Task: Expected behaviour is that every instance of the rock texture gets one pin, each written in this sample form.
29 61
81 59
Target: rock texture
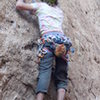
18 36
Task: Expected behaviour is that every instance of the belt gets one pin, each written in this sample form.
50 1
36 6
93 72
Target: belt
51 32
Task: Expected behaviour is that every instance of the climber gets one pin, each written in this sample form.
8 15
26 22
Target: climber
53 45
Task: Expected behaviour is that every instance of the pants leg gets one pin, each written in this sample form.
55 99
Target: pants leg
61 73
45 69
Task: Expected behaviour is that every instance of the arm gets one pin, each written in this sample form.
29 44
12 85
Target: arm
21 5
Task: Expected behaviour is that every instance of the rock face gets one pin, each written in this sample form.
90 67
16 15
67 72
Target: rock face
18 36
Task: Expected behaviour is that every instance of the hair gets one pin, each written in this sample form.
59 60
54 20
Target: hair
51 2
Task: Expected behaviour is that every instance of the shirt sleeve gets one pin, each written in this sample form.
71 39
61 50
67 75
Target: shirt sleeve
35 5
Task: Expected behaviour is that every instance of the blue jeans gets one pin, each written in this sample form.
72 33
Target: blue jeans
45 70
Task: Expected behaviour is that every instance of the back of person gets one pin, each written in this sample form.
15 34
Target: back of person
50 22
50 18
53 45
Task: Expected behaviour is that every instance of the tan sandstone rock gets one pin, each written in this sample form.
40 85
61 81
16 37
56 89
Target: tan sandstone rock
18 36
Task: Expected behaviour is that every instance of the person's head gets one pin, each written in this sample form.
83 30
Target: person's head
51 2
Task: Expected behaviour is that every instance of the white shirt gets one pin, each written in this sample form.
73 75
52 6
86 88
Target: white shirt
50 18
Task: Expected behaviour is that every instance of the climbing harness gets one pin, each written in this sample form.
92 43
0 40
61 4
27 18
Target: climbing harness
60 46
